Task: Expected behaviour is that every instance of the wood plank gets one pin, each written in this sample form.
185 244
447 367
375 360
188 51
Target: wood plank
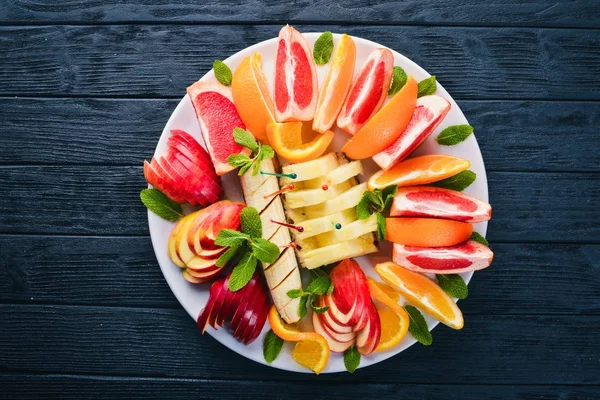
28 386
117 341
102 200
65 270
513 135
149 60
428 12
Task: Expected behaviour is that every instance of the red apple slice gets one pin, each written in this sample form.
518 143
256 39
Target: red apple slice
368 338
200 152
244 303
340 337
249 309
169 182
179 180
334 345
202 181
199 187
205 313
158 181
328 321
260 321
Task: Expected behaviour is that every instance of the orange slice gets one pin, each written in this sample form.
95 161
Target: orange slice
383 129
419 171
423 293
394 320
427 232
287 140
251 96
336 85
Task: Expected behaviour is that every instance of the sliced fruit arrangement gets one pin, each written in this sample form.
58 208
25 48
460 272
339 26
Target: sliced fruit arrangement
295 90
287 139
244 312
336 85
282 275
218 117
192 241
321 210
185 173
351 318
429 112
368 91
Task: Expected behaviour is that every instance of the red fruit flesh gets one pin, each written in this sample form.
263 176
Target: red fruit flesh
429 112
303 88
181 147
199 182
172 181
464 257
424 201
201 155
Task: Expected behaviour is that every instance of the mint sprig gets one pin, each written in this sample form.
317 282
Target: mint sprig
454 134
272 346
458 182
242 272
418 326
427 86
320 285
161 205
260 152
222 73
379 202
399 79
454 285
323 48
351 359
479 238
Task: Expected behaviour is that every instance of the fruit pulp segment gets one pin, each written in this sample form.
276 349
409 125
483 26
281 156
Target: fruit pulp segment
370 97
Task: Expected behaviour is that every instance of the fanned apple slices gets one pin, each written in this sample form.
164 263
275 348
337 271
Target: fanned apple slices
323 203
283 275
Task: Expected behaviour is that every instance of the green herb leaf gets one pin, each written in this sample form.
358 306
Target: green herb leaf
295 293
242 273
222 72
453 285
271 346
417 326
427 87
158 202
319 286
229 237
251 224
363 209
398 81
302 306
264 250
381 228
458 182
454 134
351 359
238 160
479 238
245 138
244 169
388 193
323 48
227 256
315 308
266 152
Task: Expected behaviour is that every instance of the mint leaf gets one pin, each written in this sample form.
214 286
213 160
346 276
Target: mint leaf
229 237
244 169
453 285
458 182
251 224
317 309
388 193
245 138
222 72
242 273
351 359
271 346
295 293
302 306
323 48
266 152
264 250
237 160
479 238
363 208
418 327
227 256
427 87
399 79
381 228
454 134
161 205
319 286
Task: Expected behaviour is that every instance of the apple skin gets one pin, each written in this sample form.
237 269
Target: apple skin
204 316
244 302
183 148
260 321
334 345
221 215
350 293
199 152
368 338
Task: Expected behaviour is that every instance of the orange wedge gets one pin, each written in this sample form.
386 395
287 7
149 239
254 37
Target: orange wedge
394 320
336 85
251 96
423 293
311 351
383 129
287 140
427 232
419 171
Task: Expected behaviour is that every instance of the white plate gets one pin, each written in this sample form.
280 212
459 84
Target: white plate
194 297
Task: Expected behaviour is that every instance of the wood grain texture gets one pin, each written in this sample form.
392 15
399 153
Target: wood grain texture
123 272
430 12
26 386
513 135
154 342
102 200
161 60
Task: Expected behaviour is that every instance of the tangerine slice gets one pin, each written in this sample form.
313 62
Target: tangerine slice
422 292
419 171
287 140
427 232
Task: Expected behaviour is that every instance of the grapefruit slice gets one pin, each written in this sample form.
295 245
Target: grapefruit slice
295 91
429 112
217 117
368 91
336 85
386 126
251 96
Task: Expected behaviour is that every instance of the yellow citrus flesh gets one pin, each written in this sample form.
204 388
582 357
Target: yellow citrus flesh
286 138
393 327
423 293
312 354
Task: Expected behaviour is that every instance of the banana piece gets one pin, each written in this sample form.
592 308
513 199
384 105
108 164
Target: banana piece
339 251
274 211
278 271
288 308
349 199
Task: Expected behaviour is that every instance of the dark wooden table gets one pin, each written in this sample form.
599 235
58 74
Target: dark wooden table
85 90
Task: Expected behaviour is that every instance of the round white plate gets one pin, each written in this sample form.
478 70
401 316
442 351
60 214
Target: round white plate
194 297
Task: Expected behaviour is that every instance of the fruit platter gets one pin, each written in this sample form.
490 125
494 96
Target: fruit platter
317 202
